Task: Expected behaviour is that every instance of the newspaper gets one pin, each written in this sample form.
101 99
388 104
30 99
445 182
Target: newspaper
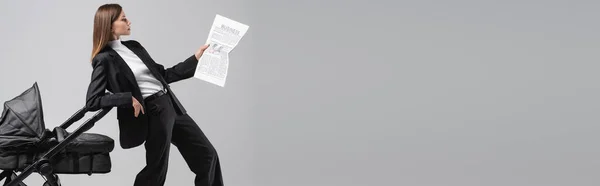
224 36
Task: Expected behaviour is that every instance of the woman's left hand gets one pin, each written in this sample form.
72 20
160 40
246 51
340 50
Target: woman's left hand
201 50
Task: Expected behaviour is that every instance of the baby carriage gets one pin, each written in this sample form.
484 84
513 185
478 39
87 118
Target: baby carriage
26 146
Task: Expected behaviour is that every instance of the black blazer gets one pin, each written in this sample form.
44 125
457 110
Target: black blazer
110 72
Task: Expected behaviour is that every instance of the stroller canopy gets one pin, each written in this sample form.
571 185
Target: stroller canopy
22 121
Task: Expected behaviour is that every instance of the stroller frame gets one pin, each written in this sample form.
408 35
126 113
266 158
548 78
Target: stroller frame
43 165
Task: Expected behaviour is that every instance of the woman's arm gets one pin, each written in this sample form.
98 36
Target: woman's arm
180 71
96 97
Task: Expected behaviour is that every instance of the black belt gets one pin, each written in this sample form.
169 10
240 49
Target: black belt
155 95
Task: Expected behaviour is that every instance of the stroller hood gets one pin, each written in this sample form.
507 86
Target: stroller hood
22 121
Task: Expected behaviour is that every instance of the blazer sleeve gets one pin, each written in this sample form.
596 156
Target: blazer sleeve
96 96
180 71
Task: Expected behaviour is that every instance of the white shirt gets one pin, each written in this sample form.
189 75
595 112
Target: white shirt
146 81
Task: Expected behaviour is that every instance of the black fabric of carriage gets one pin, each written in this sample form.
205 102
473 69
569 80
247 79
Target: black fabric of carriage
87 143
22 129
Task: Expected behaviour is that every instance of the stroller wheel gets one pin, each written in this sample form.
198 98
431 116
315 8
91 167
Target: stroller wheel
52 180
45 169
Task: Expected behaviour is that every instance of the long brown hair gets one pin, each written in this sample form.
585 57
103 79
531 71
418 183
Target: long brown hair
105 16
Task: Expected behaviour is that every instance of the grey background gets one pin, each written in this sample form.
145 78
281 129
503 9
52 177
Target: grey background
323 93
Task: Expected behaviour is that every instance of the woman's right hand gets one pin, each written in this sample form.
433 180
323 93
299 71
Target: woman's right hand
201 50
137 107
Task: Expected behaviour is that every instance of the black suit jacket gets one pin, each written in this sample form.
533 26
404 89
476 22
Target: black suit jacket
110 72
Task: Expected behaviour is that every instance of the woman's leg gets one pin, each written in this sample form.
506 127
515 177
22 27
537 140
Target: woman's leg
198 152
161 117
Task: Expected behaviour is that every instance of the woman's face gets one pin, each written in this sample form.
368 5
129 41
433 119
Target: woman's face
121 26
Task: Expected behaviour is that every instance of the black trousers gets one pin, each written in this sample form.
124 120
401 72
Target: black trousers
165 127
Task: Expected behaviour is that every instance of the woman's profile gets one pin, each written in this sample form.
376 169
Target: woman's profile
148 111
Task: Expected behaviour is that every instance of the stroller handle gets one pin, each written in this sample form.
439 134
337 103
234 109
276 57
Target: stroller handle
74 118
87 125
44 160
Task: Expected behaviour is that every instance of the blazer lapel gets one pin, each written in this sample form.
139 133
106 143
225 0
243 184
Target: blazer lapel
124 68
147 61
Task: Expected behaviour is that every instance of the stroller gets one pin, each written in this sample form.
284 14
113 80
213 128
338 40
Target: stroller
26 145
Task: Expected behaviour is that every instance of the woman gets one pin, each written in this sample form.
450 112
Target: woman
147 109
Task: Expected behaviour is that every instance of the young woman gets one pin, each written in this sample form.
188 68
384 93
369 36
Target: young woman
147 109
